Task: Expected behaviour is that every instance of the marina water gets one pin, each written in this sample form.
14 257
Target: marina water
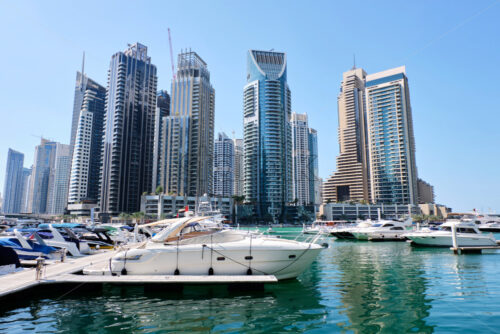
353 287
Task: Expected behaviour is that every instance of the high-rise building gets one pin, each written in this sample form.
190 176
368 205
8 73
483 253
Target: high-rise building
86 146
26 186
162 110
188 133
57 196
425 192
13 186
350 182
127 167
393 169
223 180
238 167
315 182
300 159
267 133
43 165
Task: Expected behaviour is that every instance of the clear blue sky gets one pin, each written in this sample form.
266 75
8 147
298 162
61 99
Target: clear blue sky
451 50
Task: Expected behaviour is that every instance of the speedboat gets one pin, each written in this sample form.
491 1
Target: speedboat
9 261
389 230
185 247
29 249
467 235
54 238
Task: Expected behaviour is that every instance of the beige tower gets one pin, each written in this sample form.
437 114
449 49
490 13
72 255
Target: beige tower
351 180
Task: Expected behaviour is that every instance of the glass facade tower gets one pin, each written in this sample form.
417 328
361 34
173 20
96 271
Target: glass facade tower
87 144
223 166
43 167
391 140
13 186
267 133
188 133
127 168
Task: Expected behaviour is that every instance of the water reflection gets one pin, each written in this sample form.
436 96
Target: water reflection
382 289
291 306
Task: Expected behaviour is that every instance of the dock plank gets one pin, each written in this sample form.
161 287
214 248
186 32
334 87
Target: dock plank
25 279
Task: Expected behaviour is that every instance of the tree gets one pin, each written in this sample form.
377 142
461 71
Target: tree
139 216
124 216
159 190
238 200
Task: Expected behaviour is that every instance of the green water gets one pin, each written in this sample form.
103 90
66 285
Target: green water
359 287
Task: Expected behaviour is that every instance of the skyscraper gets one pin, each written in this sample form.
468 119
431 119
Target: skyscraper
13 186
57 196
238 167
315 183
267 133
390 132
43 165
162 110
26 186
127 168
351 179
223 166
189 132
300 159
86 149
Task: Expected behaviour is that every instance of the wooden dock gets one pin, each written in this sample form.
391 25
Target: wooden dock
64 273
473 249
25 279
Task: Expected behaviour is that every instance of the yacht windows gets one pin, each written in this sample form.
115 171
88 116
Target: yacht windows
397 228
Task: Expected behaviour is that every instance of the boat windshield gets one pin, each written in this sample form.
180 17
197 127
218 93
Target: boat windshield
377 225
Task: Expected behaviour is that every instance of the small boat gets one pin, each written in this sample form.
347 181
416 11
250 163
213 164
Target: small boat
29 249
185 247
467 235
70 241
9 260
383 230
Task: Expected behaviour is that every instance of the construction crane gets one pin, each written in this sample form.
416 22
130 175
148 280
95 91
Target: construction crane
171 53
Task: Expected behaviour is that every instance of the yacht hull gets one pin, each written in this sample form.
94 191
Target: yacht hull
446 241
224 259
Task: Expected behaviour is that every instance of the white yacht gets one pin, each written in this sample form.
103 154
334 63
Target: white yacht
185 247
383 230
320 226
347 232
467 235
487 223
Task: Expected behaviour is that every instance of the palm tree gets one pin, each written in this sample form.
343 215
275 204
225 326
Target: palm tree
139 215
238 200
159 190
124 216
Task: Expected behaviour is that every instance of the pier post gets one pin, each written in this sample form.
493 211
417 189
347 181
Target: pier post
39 266
454 236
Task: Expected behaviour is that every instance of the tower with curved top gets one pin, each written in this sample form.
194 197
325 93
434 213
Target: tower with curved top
267 133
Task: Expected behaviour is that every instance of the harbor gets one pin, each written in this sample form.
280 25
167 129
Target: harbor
352 286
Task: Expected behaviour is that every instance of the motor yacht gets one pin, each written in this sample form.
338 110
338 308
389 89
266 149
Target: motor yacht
347 232
185 247
323 227
467 233
389 230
